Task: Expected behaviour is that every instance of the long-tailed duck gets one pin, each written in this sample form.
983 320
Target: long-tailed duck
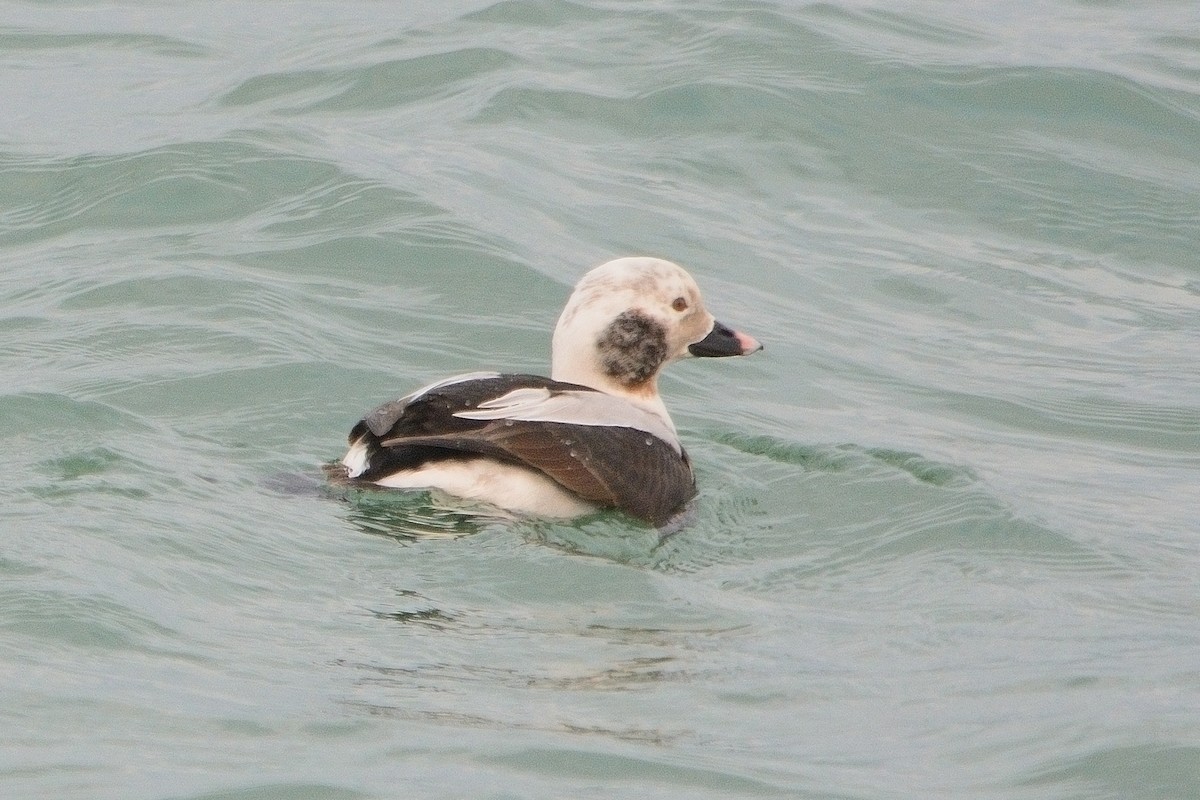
595 435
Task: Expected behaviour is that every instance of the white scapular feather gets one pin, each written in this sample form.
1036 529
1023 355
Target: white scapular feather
572 408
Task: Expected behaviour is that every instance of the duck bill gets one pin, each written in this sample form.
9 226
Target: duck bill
724 341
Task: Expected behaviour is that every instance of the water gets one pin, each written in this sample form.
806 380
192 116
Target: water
947 542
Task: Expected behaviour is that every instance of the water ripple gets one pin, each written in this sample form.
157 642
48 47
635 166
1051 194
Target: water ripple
945 519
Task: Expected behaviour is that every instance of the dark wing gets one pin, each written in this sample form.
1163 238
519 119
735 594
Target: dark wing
621 467
431 411
626 468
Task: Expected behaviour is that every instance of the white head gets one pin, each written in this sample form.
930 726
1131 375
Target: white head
629 318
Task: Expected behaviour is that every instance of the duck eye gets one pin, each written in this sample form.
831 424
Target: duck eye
680 304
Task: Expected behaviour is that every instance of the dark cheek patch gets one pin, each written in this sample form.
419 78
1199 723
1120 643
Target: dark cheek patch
632 348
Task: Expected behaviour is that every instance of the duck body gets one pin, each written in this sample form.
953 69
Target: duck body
595 435
527 444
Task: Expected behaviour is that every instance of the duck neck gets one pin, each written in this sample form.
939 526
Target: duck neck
643 395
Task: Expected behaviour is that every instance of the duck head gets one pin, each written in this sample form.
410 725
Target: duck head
629 318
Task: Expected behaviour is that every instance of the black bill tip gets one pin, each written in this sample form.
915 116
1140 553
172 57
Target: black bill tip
724 341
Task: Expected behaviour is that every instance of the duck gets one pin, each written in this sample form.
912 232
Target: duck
594 435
